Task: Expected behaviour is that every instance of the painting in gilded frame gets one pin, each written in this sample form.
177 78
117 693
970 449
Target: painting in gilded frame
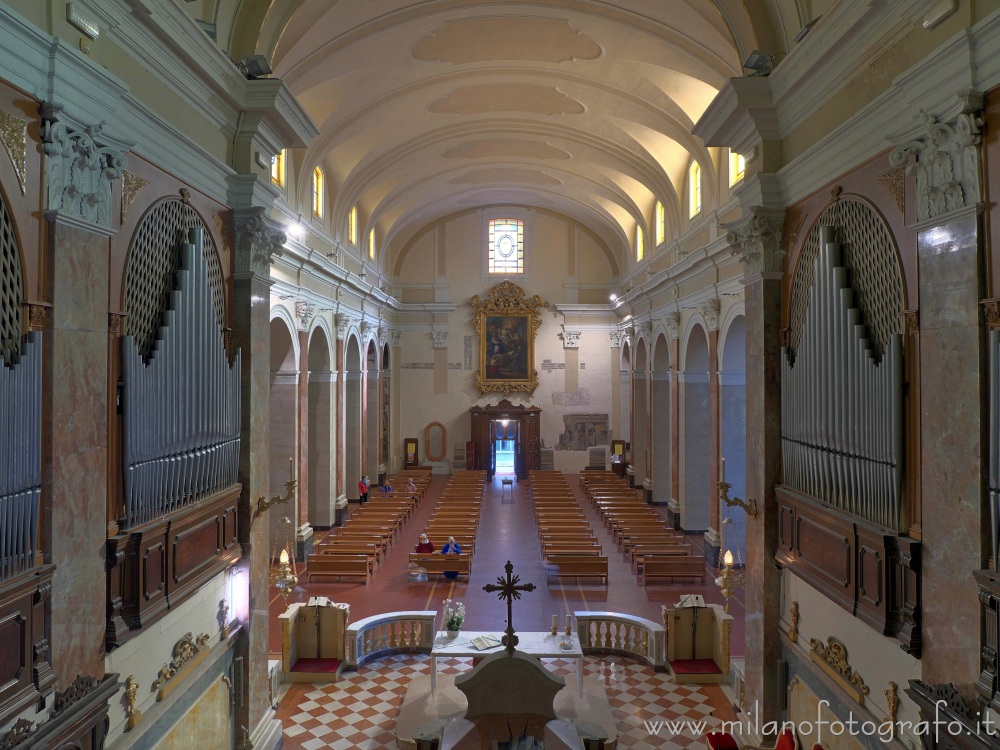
507 323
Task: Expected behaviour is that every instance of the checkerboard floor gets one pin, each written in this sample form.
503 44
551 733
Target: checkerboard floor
359 711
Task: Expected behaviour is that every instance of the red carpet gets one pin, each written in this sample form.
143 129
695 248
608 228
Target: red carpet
694 666
317 665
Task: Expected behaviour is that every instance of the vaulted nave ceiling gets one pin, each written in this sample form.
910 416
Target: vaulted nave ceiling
583 107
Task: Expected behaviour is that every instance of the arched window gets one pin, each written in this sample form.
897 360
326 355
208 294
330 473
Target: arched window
640 244
694 189
278 168
318 193
371 244
352 226
661 224
737 168
506 246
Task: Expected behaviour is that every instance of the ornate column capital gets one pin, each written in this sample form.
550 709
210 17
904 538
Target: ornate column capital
440 339
396 336
304 313
570 338
709 310
258 241
757 239
947 164
616 338
367 329
672 322
79 169
343 325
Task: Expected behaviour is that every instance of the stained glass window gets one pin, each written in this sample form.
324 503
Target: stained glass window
318 193
371 244
661 224
640 245
278 168
352 226
506 246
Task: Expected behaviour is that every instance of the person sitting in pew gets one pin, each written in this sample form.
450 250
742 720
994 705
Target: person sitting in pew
411 488
386 487
425 545
451 547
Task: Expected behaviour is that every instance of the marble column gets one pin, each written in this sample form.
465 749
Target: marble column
340 422
946 160
712 536
303 529
619 415
257 240
74 445
640 422
757 238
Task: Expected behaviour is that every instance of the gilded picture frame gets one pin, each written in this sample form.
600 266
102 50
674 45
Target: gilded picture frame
507 323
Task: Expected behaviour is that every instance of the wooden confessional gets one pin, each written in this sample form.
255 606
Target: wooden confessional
522 425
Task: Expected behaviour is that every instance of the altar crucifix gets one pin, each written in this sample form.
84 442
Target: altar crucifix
509 589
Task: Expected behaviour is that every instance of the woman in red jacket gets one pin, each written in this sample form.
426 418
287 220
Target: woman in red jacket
363 488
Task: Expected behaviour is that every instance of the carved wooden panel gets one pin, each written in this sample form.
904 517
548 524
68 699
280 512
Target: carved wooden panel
871 572
25 673
79 718
155 567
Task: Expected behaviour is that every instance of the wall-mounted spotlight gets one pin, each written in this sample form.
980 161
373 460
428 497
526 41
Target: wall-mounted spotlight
295 229
254 66
805 30
613 297
761 63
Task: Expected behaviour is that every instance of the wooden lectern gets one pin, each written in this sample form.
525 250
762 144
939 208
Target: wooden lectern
697 640
312 640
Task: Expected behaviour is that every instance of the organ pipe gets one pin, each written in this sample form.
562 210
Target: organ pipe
181 409
20 457
841 407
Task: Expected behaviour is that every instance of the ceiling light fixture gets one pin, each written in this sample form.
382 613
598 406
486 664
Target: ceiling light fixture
254 67
613 297
761 63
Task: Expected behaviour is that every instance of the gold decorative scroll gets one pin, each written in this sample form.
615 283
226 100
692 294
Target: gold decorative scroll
132 185
14 137
893 181
187 652
507 324
832 658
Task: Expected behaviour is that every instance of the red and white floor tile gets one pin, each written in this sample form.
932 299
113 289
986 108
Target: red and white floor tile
359 711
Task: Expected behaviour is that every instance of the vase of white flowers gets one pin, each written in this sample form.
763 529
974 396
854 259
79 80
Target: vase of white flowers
454 616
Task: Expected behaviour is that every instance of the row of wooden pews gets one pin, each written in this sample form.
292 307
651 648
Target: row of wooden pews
456 515
356 549
569 547
654 550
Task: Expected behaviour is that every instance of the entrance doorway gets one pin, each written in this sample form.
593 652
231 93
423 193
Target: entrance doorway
506 434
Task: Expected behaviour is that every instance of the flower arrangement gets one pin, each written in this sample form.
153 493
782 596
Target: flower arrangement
454 614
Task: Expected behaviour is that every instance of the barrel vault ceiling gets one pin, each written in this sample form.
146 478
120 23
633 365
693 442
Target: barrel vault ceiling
582 107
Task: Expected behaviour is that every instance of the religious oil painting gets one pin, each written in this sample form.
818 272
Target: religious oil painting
507 323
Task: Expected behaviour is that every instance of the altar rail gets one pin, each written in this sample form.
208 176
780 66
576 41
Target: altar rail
616 633
389 633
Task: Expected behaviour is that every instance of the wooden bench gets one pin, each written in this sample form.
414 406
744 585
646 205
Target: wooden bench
342 566
436 564
577 566
672 566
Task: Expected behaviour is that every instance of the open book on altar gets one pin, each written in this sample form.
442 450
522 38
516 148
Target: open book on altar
485 642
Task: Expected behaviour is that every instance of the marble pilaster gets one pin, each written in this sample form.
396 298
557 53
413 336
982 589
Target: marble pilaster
661 459
675 423
301 449
952 450
340 419
75 458
320 464
714 436
640 425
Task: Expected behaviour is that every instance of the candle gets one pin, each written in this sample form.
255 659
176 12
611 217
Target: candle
722 477
555 623
291 468
569 625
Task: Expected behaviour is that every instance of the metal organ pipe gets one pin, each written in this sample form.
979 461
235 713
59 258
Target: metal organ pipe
842 418
180 410
20 457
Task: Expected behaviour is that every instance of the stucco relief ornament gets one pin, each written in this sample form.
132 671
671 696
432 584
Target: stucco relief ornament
14 137
396 337
616 338
367 329
256 243
758 243
343 326
440 339
710 312
644 330
79 169
304 312
672 322
570 339
947 165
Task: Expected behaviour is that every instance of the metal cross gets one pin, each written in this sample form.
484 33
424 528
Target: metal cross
509 589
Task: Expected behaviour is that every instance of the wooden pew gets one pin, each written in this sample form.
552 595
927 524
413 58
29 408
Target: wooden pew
342 566
577 566
436 564
672 566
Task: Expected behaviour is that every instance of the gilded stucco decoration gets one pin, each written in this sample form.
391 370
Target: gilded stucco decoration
507 323
832 656
132 185
14 137
187 652
893 181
